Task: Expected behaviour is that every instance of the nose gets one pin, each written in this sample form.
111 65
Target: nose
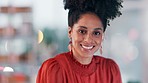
88 38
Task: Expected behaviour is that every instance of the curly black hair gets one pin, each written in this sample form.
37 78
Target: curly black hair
106 10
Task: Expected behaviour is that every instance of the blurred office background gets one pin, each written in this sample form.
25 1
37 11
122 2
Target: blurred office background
31 31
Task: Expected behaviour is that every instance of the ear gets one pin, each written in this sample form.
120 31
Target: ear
103 37
69 31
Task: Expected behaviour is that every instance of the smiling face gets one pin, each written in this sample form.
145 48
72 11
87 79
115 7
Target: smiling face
86 35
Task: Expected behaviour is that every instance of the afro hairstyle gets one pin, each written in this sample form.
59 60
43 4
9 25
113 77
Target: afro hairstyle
106 10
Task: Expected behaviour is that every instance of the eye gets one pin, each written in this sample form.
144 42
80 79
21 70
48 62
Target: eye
82 31
96 33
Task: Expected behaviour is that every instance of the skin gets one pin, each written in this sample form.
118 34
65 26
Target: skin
86 36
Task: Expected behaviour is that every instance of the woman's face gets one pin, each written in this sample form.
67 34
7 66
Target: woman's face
86 35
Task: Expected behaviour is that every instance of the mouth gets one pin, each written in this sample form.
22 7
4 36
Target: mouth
87 47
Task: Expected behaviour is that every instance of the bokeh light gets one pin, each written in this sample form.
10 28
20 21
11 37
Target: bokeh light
40 36
8 69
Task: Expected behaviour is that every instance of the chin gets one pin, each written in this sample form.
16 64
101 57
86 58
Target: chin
85 53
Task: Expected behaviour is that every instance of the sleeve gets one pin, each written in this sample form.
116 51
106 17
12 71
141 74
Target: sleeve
113 69
50 72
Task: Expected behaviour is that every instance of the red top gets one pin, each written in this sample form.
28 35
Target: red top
65 69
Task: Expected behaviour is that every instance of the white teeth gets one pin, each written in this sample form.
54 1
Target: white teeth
87 47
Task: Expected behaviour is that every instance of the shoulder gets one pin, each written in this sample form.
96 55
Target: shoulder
56 61
53 62
49 69
106 62
101 59
110 69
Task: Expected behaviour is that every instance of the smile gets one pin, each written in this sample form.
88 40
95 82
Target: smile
87 47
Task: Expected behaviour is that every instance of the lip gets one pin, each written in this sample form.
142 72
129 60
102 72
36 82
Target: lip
87 47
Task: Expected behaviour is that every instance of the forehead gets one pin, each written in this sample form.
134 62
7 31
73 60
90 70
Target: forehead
90 21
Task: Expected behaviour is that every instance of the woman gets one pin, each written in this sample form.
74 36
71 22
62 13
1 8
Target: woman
87 20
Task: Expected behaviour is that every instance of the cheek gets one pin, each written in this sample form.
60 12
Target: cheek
77 40
76 37
99 41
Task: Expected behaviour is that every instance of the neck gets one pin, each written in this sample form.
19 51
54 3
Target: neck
81 59
84 61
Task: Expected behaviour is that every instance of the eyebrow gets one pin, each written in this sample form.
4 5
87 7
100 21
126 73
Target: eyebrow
94 29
